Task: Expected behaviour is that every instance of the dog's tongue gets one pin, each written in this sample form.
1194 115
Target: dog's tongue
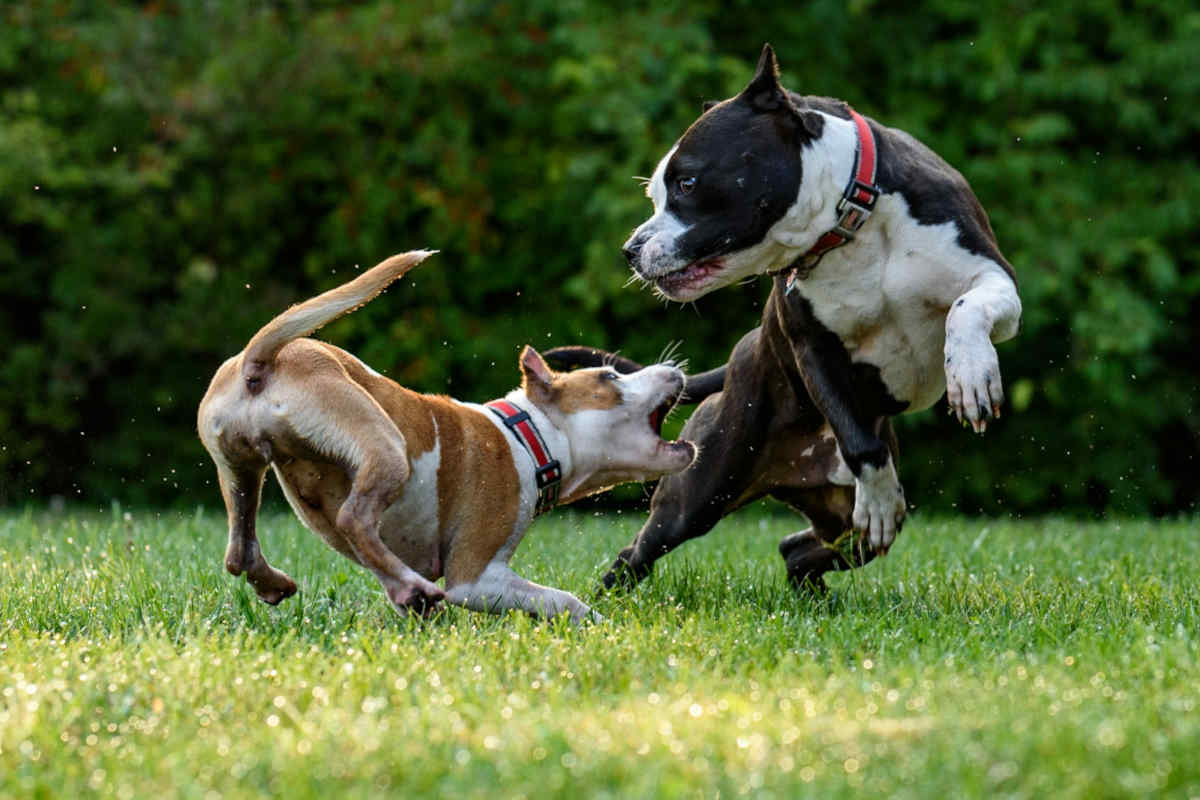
656 418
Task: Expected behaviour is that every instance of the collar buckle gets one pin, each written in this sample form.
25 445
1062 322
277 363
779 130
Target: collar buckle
855 208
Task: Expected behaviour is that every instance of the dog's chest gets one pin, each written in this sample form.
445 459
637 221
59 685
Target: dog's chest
885 297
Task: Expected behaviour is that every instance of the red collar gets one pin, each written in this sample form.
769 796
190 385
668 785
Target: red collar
856 205
548 471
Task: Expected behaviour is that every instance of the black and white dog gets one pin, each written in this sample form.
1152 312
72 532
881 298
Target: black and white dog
889 289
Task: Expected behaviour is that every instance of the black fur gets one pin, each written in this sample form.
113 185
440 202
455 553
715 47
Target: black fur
764 433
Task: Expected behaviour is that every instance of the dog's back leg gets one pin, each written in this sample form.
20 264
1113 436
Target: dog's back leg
830 544
241 487
378 481
340 418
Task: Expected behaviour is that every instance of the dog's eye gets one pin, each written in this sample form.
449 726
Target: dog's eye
685 185
610 376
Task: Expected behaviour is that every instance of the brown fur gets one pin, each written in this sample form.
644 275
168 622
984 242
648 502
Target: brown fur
478 493
582 391
345 441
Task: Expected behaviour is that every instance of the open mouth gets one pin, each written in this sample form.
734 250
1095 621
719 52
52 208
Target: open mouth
656 419
690 277
659 414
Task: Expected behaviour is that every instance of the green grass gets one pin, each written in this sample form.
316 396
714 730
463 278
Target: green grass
1039 659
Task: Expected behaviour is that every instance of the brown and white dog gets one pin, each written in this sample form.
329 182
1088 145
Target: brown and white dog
416 487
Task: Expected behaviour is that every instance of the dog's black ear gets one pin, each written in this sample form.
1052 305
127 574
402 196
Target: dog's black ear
536 377
766 94
708 104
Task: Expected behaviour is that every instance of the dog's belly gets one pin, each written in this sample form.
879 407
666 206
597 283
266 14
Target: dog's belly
410 526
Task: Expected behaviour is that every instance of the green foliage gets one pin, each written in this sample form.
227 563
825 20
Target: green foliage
172 176
981 658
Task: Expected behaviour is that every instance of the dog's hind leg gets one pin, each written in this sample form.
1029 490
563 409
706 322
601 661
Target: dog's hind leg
347 424
829 544
241 487
377 483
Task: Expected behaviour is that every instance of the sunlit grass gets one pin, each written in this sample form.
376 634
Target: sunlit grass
1043 658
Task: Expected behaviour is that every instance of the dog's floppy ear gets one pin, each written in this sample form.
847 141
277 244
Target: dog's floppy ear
766 94
536 377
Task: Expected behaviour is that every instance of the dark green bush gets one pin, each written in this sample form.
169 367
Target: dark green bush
171 176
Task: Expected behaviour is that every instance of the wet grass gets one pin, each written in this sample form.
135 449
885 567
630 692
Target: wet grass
1043 658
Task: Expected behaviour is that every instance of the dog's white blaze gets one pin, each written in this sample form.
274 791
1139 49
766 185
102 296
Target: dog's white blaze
660 233
656 189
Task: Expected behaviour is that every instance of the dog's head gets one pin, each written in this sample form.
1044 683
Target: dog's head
613 421
717 194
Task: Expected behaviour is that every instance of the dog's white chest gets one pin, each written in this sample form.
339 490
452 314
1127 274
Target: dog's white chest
886 297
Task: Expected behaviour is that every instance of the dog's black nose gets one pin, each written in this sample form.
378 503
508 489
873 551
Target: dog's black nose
630 250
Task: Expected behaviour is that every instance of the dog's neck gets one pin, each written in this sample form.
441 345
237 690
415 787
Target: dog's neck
826 165
581 475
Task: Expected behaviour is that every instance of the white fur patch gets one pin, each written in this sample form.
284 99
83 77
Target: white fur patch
499 589
878 504
840 475
409 526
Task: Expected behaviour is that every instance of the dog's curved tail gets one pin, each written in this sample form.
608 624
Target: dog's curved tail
304 318
695 389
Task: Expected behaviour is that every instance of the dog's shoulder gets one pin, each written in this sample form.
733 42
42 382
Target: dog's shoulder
934 191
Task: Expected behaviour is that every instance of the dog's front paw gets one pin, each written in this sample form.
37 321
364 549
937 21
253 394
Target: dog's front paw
416 597
623 575
879 507
973 385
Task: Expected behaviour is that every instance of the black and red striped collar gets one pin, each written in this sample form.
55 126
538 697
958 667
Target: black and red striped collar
853 209
548 472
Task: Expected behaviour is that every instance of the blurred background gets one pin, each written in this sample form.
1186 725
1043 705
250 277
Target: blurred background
172 175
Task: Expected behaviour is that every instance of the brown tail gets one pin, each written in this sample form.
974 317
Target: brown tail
304 318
